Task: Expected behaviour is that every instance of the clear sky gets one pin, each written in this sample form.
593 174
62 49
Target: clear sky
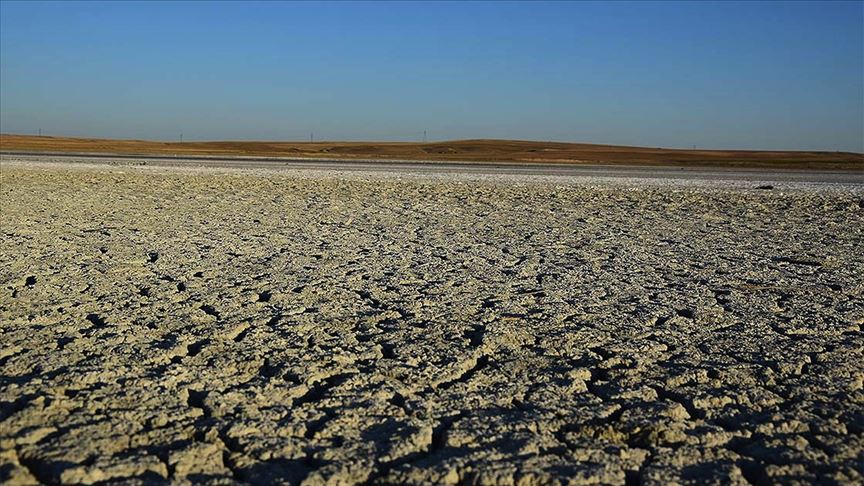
721 75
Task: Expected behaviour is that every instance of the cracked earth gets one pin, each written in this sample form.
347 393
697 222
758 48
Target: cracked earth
286 327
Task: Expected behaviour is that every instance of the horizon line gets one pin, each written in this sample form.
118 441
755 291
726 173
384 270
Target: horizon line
182 140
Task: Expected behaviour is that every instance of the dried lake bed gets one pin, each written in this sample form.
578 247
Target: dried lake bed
219 325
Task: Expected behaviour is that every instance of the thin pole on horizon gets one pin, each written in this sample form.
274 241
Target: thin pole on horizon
424 136
311 137
40 132
181 137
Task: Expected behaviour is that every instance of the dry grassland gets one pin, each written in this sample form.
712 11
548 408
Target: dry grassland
462 150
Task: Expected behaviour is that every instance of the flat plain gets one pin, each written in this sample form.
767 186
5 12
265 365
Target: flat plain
218 325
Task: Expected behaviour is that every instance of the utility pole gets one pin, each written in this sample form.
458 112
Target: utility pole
311 137
40 132
424 136
181 137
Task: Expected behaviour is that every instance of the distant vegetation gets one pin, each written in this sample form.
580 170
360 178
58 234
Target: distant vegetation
460 150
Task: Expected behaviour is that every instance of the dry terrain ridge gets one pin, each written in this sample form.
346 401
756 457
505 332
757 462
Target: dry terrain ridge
264 326
462 150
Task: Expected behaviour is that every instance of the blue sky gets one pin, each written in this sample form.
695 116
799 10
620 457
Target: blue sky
722 75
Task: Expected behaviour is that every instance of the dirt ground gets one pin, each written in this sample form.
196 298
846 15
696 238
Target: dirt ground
513 151
318 327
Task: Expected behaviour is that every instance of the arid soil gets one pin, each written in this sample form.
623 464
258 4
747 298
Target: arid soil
518 151
286 327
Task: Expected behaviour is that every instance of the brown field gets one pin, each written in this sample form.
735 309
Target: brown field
460 150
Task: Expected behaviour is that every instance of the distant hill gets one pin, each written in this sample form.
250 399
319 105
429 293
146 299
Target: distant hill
458 150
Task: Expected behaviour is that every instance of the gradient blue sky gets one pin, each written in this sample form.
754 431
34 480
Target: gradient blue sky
721 75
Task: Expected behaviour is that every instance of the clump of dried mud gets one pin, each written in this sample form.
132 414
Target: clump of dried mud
284 327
